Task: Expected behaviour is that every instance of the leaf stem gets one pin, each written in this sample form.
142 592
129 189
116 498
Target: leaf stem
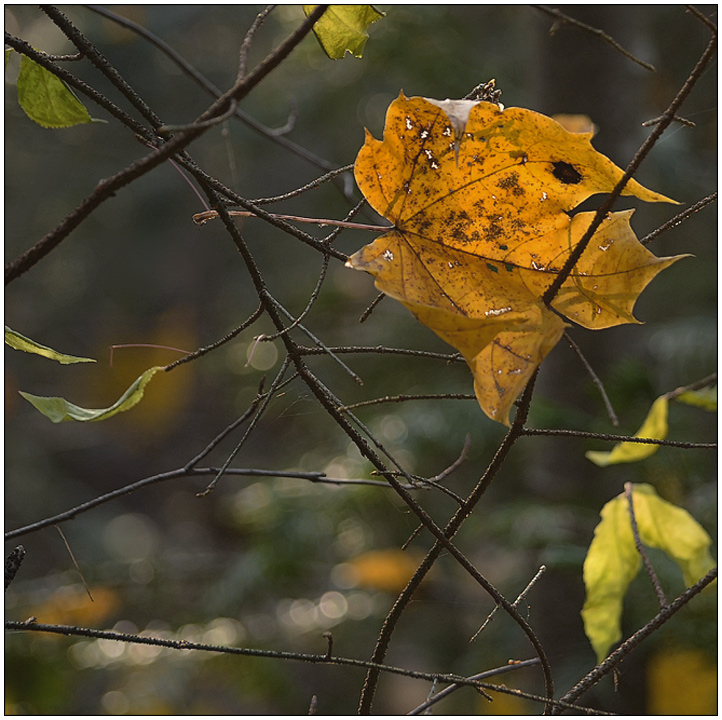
204 217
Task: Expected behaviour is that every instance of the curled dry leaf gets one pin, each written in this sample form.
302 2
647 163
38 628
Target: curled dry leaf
479 199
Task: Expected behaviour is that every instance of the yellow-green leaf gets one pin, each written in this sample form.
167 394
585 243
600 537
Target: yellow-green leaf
19 342
58 409
654 427
611 564
672 529
46 99
343 28
613 559
706 398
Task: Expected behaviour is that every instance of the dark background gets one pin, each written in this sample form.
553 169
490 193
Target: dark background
263 562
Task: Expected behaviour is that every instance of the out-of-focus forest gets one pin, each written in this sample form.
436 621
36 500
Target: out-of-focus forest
275 562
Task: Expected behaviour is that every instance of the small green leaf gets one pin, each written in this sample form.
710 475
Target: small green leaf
654 426
19 342
58 409
613 560
611 564
706 398
46 99
342 28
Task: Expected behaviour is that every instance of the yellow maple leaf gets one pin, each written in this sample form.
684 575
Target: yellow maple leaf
479 200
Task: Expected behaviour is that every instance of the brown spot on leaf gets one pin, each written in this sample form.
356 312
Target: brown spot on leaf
566 173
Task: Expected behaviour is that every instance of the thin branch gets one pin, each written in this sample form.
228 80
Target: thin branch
480 676
258 413
381 350
248 39
217 120
405 398
229 429
708 381
595 379
226 338
367 312
613 661
619 438
308 186
561 17
679 219
314 477
676 118
307 309
629 495
519 598
74 631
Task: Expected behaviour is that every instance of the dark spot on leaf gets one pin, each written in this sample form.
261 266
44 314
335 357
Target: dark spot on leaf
508 267
503 247
494 230
493 268
566 173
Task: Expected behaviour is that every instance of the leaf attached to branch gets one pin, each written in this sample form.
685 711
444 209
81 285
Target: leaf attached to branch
479 199
343 28
613 560
46 99
654 427
59 409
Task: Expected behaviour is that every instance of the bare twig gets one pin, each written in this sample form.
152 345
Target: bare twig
708 381
367 312
382 350
480 676
314 477
519 598
676 118
619 438
405 398
226 338
248 39
595 379
561 17
308 186
629 495
679 219
254 421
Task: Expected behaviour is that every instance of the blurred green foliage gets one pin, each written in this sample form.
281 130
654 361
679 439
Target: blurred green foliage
260 562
